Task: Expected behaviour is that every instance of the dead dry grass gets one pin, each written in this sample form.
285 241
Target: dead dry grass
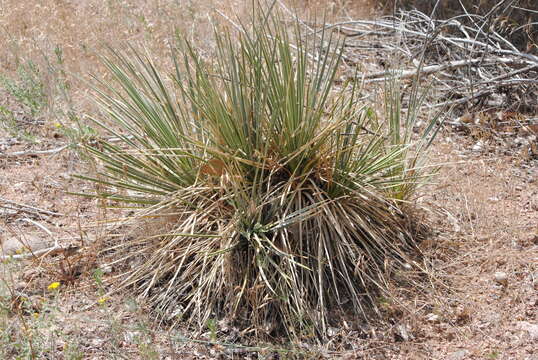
77 31
483 211
64 38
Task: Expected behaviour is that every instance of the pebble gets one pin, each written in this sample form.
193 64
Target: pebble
458 355
403 333
106 269
21 286
532 329
501 278
478 146
331 331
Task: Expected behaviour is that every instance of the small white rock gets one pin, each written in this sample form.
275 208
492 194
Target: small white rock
501 278
106 269
478 146
532 329
131 336
433 318
331 331
458 355
519 141
404 332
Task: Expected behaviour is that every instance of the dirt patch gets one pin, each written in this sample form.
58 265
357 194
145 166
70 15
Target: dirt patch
488 253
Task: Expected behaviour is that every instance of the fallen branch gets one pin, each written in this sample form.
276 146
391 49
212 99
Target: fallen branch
33 152
26 208
37 252
463 100
430 69
465 56
490 90
398 26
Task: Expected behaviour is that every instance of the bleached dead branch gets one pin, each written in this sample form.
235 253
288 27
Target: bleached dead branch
33 152
465 59
16 206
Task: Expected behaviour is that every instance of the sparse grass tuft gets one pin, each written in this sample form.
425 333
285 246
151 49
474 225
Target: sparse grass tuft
279 197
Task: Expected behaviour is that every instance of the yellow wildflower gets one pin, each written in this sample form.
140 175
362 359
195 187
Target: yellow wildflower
102 300
57 125
53 285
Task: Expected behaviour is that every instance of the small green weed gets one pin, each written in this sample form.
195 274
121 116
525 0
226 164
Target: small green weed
212 326
27 87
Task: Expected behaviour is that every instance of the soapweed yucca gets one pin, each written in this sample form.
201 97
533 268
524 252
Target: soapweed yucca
276 196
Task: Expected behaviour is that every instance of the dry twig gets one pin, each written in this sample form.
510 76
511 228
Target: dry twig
33 152
13 205
34 254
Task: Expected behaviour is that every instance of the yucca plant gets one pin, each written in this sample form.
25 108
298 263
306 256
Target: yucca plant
272 196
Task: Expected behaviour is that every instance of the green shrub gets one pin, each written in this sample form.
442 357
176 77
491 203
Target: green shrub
277 196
